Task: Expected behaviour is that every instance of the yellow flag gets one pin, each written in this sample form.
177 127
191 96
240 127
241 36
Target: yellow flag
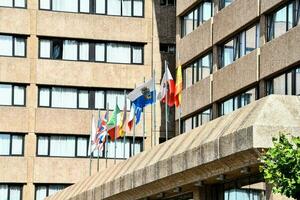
178 89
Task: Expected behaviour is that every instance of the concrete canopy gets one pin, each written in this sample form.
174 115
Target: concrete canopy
224 144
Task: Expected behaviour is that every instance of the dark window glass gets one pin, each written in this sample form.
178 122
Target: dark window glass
282 20
240 45
167 48
225 3
196 121
285 84
237 102
90 51
197 16
197 71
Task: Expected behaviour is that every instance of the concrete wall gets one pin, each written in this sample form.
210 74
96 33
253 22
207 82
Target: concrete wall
246 72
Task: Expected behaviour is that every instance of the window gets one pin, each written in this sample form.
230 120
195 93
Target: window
11 144
64 97
237 102
225 3
282 20
132 8
11 191
89 51
12 95
167 2
285 84
196 121
197 71
12 45
200 14
167 48
42 191
13 3
62 146
240 45
77 146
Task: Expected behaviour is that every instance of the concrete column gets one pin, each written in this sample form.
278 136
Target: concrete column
215 62
215 111
216 6
263 30
262 89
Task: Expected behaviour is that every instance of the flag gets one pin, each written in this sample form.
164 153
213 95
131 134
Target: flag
142 96
178 88
167 87
122 122
131 117
93 137
102 129
113 123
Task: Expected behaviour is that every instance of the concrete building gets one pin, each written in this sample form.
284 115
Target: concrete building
62 61
235 55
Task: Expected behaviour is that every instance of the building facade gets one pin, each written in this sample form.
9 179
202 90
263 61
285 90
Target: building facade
60 63
241 74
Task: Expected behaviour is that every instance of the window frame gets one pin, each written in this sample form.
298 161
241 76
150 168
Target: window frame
199 119
47 187
233 98
14 5
13 44
198 67
9 185
91 96
139 139
13 96
270 32
92 9
92 50
199 8
167 3
10 144
237 45
270 82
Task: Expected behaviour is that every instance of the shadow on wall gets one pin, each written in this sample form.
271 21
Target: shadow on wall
166 30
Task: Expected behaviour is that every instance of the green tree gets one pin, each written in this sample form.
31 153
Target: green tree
281 166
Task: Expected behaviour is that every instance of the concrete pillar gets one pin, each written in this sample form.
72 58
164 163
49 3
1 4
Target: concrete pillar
262 90
215 111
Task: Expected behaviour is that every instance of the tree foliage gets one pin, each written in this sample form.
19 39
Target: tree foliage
281 166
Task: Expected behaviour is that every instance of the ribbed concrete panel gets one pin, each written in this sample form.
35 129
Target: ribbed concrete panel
231 141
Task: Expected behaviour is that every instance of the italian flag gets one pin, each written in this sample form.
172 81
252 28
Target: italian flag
113 124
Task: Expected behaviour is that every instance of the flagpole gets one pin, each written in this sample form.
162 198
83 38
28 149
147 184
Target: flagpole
179 121
90 171
154 112
123 125
98 142
133 153
116 135
106 136
166 102
144 124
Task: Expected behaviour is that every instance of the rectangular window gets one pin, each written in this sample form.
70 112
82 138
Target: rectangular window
10 191
126 7
11 144
196 121
90 51
240 45
99 100
238 101
45 4
282 20
13 3
64 97
43 191
85 6
83 99
12 95
65 5
285 84
197 16
12 46
197 71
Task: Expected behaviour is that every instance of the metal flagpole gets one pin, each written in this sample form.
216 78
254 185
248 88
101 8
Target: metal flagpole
124 113
144 125
116 133
99 116
106 136
179 121
166 103
90 172
154 111
133 153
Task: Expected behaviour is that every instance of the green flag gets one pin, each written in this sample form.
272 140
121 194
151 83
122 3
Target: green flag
114 118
